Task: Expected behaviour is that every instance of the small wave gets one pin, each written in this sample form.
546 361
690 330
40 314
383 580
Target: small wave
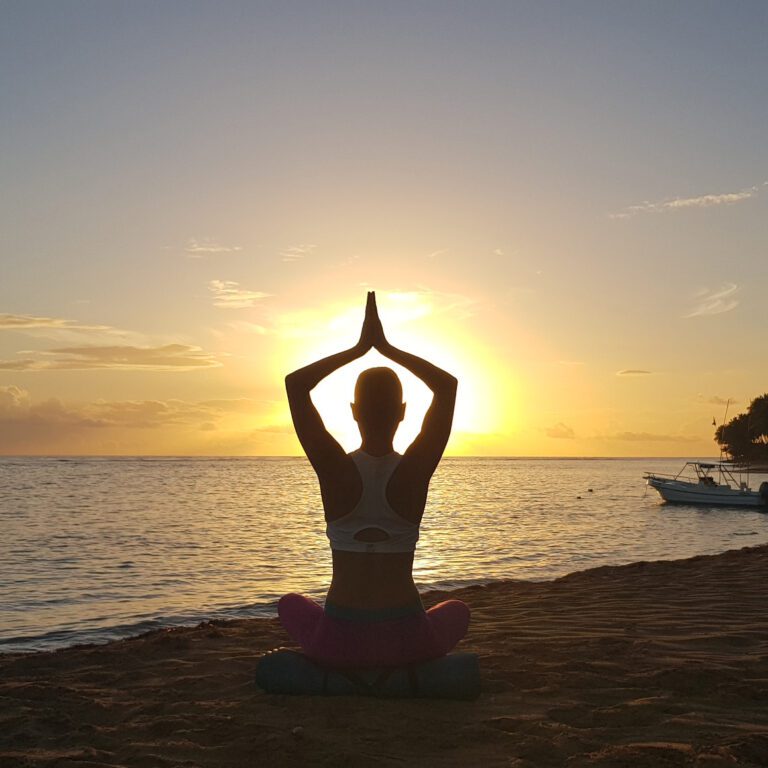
106 633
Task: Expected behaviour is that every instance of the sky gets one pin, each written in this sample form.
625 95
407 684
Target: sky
563 204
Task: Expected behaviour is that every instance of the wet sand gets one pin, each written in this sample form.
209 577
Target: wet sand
650 664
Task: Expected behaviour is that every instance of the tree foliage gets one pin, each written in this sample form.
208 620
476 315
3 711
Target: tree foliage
745 437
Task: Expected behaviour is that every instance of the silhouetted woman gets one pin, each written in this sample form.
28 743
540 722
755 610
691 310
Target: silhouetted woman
373 499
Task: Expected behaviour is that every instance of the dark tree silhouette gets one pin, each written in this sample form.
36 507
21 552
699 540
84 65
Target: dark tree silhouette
745 437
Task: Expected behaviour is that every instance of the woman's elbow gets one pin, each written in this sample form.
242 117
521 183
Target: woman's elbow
446 387
291 382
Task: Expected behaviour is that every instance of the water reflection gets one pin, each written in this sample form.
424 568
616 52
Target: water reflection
92 545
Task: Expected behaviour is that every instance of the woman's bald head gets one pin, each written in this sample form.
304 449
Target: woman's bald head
378 398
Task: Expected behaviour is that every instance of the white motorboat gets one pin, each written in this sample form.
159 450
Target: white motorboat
695 483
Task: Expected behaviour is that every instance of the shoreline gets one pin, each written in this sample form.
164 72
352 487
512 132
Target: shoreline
658 663
444 591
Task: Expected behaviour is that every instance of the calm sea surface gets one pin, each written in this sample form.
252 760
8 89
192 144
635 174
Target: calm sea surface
96 549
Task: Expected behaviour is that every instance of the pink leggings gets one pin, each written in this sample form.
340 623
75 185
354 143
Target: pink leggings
420 636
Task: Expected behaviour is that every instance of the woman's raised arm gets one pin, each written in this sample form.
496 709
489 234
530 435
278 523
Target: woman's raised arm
323 451
425 451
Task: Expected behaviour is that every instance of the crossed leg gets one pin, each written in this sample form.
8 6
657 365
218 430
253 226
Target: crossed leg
426 636
450 621
300 617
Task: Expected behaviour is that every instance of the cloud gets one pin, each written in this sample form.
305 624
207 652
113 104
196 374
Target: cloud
13 399
296 252
639 437
159 413
62 330
130 426
170 357
683 203
51 426
498 252
17 409
24 322
715 302
633 372
274 429
560 431
717 400
227 294
353 258
167 357
245 327
198 249
21 365
147 414
435 254
235 405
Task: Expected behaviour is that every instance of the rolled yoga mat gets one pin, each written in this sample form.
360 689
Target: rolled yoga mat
456 676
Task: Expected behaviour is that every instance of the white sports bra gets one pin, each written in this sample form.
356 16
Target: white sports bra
373 511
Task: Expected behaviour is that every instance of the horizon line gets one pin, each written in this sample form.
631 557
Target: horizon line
301 456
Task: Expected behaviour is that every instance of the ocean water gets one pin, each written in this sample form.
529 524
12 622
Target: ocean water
94 549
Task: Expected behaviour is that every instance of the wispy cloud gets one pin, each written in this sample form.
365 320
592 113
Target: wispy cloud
296 252
21 365
717 400
158 413
715 302
228 294
147 414
275 429
560 431
684 203
641 437
170 357
235 405
24 322
198 249
352 259
633 372
244 326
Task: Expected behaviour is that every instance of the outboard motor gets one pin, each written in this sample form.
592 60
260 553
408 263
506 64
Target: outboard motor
764 492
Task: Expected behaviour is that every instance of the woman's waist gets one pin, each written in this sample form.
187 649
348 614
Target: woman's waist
372 581
371 614
369 569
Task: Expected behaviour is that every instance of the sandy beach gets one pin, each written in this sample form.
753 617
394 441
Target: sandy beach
650 664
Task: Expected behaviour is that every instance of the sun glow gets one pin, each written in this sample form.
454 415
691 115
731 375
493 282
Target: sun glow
417 323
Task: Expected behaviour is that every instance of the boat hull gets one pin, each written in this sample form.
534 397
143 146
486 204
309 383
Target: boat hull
680 492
